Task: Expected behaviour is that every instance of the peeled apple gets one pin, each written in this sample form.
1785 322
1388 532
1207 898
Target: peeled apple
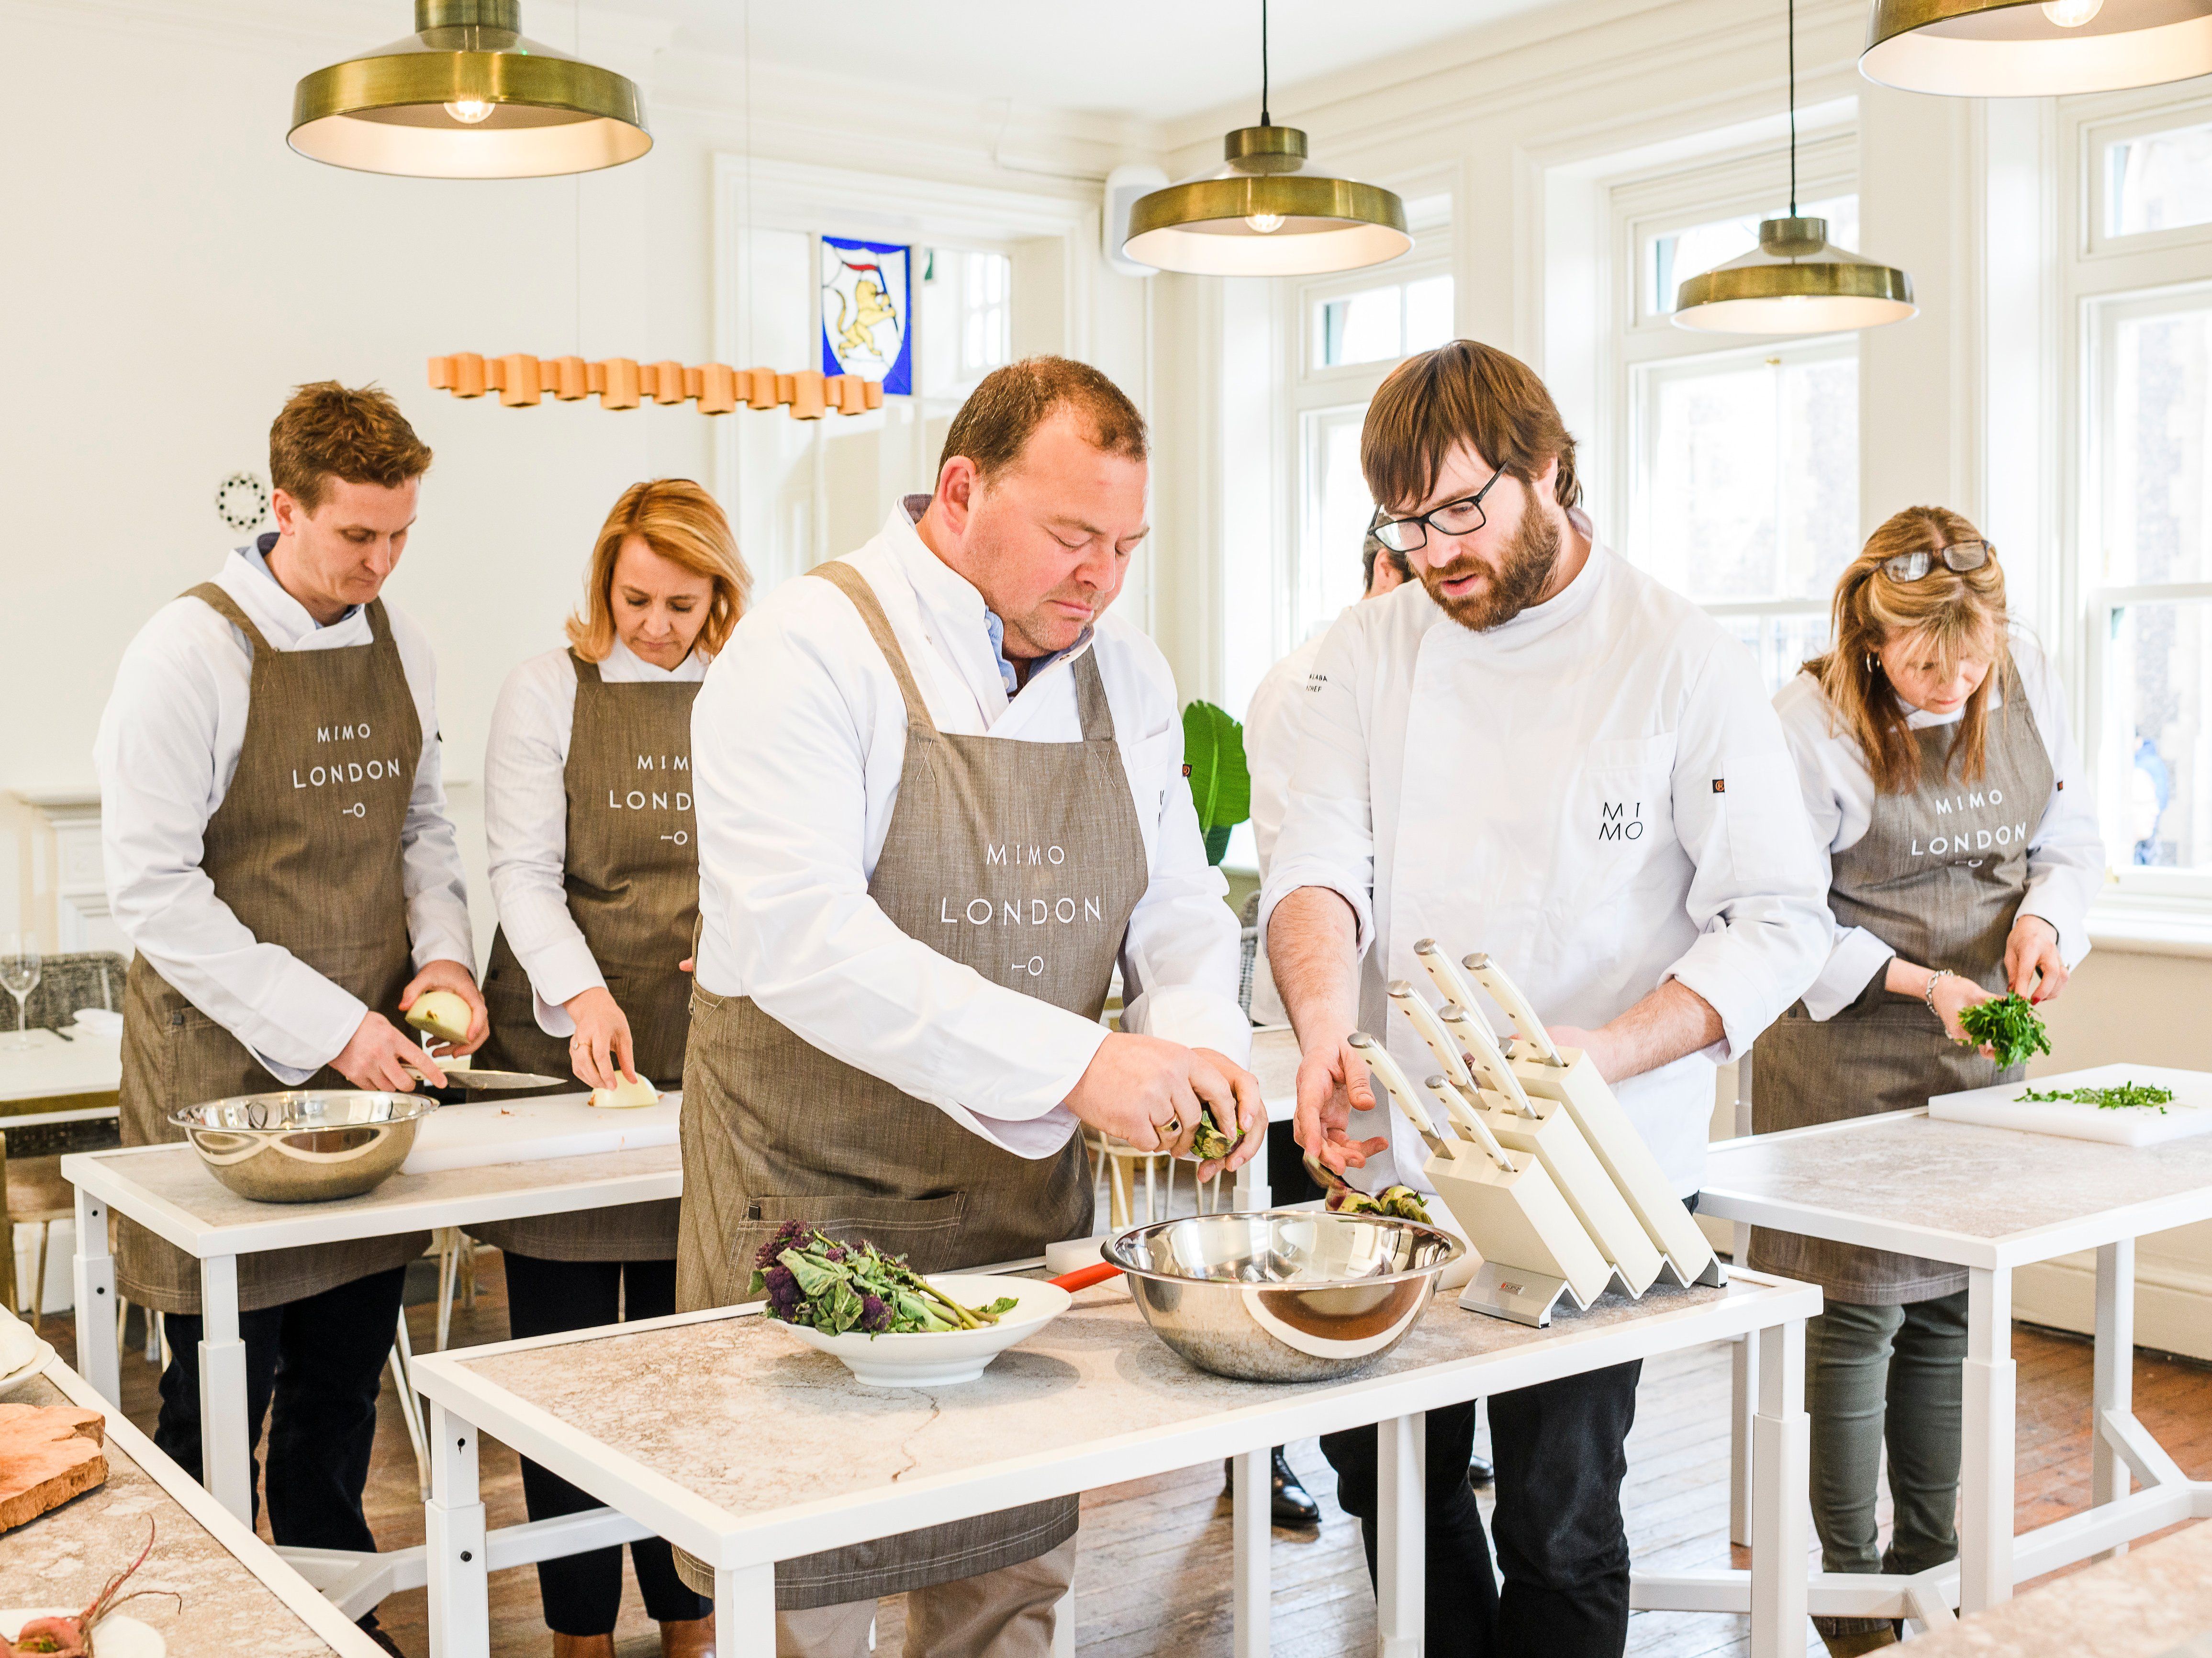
626 1094
442 1013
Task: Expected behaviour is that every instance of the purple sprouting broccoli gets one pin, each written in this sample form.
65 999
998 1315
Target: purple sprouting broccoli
791 1235
875 1316
783 1292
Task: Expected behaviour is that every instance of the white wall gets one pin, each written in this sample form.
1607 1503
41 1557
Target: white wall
173 269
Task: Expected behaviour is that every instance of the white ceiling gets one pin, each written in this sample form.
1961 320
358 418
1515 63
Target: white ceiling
1152 59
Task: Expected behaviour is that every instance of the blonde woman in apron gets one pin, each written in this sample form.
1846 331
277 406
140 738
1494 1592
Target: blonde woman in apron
1932 747
595 870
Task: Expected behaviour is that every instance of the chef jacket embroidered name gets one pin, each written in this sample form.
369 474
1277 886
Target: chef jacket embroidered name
1621 820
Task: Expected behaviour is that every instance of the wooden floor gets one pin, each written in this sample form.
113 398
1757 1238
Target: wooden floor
1156 1552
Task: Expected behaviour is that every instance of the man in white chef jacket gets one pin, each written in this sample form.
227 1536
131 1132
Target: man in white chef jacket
1536 752
823 811
271 751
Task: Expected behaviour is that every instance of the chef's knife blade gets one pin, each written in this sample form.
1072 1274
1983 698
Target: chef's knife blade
492 1081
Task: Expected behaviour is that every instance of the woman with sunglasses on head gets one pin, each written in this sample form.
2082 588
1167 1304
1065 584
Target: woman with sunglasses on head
1932 747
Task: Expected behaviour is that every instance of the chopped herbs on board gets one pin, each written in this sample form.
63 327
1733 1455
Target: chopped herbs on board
1400 1202
810 1278
2127 1097
2008 1026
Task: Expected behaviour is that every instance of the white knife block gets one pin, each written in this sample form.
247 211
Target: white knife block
1553 1139
1533 1249
1636 1173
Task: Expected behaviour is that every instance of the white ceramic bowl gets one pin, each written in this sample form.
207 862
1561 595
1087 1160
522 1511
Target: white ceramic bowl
113 1636
36 1365
939 1358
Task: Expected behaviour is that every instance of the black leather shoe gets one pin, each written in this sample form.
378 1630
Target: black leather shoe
1289 1505
371 1629
1480 1472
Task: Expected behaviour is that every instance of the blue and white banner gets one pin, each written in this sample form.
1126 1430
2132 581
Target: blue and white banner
867 300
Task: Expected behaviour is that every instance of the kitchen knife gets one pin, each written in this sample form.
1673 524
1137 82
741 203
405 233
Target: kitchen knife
1477 1130
1472 1032
1447 980
489 1082
1399 1089
1493 978
1423 1017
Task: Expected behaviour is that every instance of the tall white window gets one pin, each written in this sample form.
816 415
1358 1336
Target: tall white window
1739 461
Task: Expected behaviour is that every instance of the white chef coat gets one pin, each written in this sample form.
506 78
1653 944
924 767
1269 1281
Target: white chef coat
798 740
1271 746
2065 859
1597 793
166 752
527 819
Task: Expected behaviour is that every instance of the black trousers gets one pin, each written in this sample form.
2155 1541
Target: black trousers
582 1593
1558 1451
313 1369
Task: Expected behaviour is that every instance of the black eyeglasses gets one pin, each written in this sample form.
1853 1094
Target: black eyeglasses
1455 517
1960 555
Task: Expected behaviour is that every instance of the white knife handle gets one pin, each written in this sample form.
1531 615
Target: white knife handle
1474 1033
1423 1019
1478 1129
1493 978
1394 1081
1449 984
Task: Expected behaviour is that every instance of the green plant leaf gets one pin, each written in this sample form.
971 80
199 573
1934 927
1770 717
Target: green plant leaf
1221 781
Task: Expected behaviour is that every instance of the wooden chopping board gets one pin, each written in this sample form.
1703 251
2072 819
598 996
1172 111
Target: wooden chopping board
48 1454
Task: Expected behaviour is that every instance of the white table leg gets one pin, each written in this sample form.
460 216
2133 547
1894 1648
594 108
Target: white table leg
1252 1495
1251 1190
2113 1390
95 1271
226 1448
745 1612
1782 1437
1743 1403
1985 1472
1401 1540
454 1543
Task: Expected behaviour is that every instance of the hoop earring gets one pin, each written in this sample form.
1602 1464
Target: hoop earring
1873 666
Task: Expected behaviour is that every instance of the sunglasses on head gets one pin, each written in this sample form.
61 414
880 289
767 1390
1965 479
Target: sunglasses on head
1961 556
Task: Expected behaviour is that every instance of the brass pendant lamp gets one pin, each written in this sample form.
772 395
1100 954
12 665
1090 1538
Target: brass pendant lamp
1796 281
466 96
1267 211
2023 49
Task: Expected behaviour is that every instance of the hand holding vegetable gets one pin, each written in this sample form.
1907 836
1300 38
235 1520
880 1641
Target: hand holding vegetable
2033 966
1950 994
2005 1027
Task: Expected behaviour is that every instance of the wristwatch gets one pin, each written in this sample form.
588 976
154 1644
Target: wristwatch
1934 978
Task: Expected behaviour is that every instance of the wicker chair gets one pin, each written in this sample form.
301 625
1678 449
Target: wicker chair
1250 954
91 978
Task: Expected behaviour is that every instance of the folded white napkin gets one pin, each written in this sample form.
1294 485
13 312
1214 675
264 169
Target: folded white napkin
99 1022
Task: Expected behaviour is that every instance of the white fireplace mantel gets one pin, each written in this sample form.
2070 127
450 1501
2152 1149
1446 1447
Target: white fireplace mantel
81 883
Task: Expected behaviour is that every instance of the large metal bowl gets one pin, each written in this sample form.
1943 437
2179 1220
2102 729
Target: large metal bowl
304 1146
1283 1294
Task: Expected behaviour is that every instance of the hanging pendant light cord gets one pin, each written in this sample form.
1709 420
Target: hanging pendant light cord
1264 121
1793 108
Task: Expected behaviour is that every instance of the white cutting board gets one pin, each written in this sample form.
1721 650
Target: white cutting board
2190 1113
488 1131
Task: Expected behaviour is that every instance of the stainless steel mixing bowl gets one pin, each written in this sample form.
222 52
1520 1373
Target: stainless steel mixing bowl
1283 1294
306 1145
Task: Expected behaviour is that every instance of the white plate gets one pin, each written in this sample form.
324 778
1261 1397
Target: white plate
938 1358
2001 1107
15 1379
113 1636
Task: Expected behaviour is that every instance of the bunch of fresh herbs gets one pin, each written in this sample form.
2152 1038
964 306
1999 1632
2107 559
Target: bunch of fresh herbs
2008 1026
2127 1097
810 1278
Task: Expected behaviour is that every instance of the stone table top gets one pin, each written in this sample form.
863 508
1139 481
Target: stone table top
2144 1605
168 1189
63 1557
754 1429
1957 1192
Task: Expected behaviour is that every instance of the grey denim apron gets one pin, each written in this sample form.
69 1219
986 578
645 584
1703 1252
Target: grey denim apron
306 851
1040 840
632 877
1938 876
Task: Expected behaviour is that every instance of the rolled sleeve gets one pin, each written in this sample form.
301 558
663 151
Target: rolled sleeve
1757 895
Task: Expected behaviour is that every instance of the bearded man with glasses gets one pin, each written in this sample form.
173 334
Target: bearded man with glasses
1535 750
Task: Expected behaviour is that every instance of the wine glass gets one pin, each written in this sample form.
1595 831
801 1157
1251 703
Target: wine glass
19 975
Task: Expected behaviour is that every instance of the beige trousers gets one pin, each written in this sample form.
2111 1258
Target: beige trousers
1007 1614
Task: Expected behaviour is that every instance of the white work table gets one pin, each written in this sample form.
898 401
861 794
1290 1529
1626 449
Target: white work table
1990 1200
168 1190
236 1594
2146 1604
753 1449
53 1068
